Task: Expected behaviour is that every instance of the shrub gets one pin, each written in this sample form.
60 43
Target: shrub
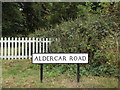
88 36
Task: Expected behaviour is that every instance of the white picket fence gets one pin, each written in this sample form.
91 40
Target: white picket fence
22 48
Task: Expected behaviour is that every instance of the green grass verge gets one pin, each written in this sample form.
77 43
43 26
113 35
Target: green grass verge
24 74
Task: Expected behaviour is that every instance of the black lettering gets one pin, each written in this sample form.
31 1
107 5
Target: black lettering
71 58
75 58
80 58
48 58
83 58
64 58
36 58
55 58
60 58
51 58
44 58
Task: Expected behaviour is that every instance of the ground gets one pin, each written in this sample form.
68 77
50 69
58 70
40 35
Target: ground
23 74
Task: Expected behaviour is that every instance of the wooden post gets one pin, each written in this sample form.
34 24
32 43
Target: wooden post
41 73
78 73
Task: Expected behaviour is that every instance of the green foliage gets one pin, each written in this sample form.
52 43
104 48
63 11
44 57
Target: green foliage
25 17
81 36
89 27
12 19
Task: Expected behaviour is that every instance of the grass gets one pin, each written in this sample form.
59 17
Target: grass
23 74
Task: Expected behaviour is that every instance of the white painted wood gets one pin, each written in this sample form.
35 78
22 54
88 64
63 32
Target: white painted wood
39 45
46 42
5 48
22 47
36 45
43 49
17 48
49 42
26 48
8 48
12 51
33 48
1 48
29 48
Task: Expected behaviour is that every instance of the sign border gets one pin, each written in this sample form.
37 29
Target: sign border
60 63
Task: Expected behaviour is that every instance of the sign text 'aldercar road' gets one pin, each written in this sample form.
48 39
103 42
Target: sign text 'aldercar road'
60 58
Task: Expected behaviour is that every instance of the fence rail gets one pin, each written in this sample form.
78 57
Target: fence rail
22 48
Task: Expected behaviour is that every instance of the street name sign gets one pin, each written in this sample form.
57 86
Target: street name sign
46 58
59 58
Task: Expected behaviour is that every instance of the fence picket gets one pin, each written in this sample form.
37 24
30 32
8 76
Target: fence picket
29 48
39 45
5 47
20 48
26 48
15 48
33 48
49 43
9 48
46 48
1 48
12 47
36 45
43 47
